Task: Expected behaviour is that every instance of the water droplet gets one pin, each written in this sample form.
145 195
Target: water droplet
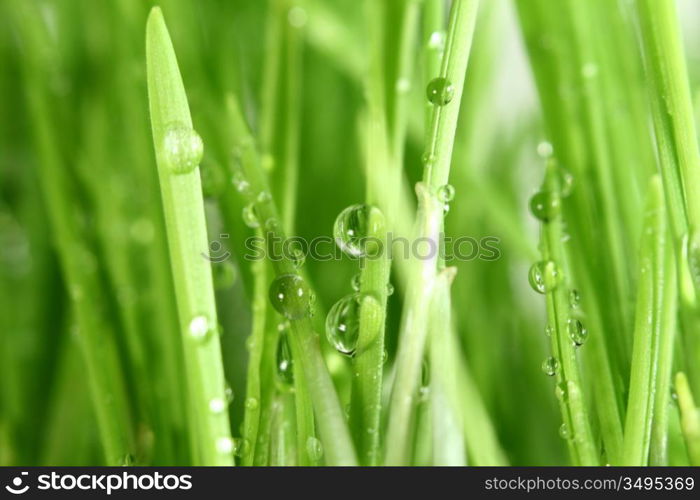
228 394
544 206
403 85
356 282
249 217
241 447
389 289
545 149
239 181
564 431
224 274
290 296
126 461
343 324
385 356
566 181
199 327
544 276
297 17
298 257
548 331
314 448
577 332
574 298
272 224
550 366
224 445
561 393
263 197
428 158
446 193
440 91
589 70
350 230
217 405
285 364
424 389
251 403
437 40
182 149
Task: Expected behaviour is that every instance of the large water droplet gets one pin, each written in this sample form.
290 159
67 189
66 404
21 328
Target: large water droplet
249 217
199 327
544 276
577 332
343 324
350 230
290 296
285 364
550 366
314 448
440 91
544 206
182 149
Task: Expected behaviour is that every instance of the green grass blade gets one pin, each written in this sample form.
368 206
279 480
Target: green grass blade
184 217
647 331
690 418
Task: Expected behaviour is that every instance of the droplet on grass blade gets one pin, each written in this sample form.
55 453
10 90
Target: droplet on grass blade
440 91
182 149
290 296
356 282
446 193
224 445
544 276
577 332
544 206
285 364
314 448
351 229
343 324
217 405
574 298
251 403
241 447
550 366
199 327
249 217
564 432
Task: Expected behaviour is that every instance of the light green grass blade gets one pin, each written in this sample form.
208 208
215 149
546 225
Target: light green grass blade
184 217
690 418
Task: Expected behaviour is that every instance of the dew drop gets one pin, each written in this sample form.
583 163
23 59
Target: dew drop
199 327
126 461
424 389
224 445
290 296
272 224
437 40
297 256
566 181
182 149
241 447
550 366
403 85
446 193
249 217
389 289
548 331
428 158
385 356
350 230
356 282
239 181
544 276
577 332
217 405
263 197
574 298
251 403
343 324
564 432
285 364
545 149
224 274
561 393
314 448
228 394
544 206
440 91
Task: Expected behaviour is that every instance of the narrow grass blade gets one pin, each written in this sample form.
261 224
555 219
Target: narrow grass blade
177 156
690 418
